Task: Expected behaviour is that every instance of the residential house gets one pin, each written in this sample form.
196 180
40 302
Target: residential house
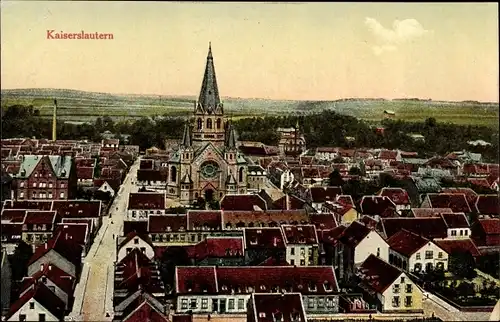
81 210
222 290
391 288
326 153
398 196
301 244
220 251
78 231
60 251
38 303
110 144
139 307
269 218
287 307
142 204
486 232
378 207
46 177
131 241
488 205
38 226
262 243
6 283
457 225
152 179
456 202
414 253
357 242
343 209
320 195
56 280
256 177
107 185
85 175
433 227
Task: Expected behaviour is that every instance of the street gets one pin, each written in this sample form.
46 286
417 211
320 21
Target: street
94 292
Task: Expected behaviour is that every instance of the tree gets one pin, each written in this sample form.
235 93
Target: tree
19 260
462 264
355 171
335 178
171 258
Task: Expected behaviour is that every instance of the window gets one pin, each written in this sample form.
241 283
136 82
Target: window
21 195
218 123
136 241
310 303
418 256
44 279
408 301
209 123
34 184
378 251
440 255
240 176
32 305
193 304
292 251
231 304
395 288
395 301
466 232
22 317
409 288
321 303
41 317
184 304
63 185
50 195
50 185
143 250
241 304
429 254
204 304
199 124
292 262
34 195
329 302
402 280
21 184
62 195
302 262
173 174
417 267
453 232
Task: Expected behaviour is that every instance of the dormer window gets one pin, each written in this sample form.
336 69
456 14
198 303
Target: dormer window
224 288
312 287
253 241
327 286
295 316
262 287
278 317
262 315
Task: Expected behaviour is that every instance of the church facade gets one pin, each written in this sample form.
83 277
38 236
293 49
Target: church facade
207 163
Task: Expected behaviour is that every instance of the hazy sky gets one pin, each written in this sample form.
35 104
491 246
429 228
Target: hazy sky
280 51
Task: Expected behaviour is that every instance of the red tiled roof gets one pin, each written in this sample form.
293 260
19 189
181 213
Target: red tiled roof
217 247
77 232
354 234
84 162
198 219
150 175
145 309
13 215
470 194
368 221
139 226
65 247
488 205
137 273
226 279
42 295
490 226
457 202
293 203
131 236
85 173
406 243
310 173
113 183
455 220
377 205
322 194
11 232
300 234
269 217
388 155
242 202
323 221
398 195
482 182
28 204
331 236
59 277
88 222
283 307
146 164
428 227
165 223
264 237
77 208
429 212
377 274
458 245
40 217
146 200
440 163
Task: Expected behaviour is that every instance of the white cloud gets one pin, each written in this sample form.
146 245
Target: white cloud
401 32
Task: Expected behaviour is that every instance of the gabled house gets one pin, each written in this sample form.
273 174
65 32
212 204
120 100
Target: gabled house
221 251
357 242
242 202
430 228
107 185
488 205
60 251
302 244
152 179
38 303
269 218
38 226
139 307
132 241
457 225
320 195
486 232
398 196
85 175
343 209
287 307
414 253
56 280
389 287
262 243
456 202
79 232
378 206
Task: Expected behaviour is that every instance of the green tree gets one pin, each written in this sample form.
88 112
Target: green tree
171 258
335 179
354 171
462 264
19 260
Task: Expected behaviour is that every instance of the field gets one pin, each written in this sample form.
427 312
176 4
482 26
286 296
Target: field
86 106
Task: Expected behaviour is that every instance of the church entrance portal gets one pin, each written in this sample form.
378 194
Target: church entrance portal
209 195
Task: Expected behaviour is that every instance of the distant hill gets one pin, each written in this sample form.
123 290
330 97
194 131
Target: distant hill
75 105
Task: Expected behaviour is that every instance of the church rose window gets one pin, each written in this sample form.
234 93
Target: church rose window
209 169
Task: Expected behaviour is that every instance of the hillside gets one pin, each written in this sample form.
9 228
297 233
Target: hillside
74 105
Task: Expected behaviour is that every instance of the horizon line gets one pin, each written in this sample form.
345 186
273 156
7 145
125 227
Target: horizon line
254 98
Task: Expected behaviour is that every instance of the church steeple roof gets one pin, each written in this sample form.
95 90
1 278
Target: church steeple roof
231 137
209 100
186 137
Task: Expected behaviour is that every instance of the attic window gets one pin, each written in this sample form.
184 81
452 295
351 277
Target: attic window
224 287
262 315
253 241
299 228
327 286
262 287
312 287
278 316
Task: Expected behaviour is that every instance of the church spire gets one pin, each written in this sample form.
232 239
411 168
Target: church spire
231 137
186 137
209 100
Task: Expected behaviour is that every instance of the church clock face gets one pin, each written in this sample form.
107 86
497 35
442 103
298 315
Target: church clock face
209 169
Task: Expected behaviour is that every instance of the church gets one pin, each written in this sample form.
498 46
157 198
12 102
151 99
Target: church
207 163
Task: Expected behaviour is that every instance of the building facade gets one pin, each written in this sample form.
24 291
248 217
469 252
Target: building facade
207 163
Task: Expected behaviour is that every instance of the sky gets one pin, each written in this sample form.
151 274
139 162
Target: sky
295 51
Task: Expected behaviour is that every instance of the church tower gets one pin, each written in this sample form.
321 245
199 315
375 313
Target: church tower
209 123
